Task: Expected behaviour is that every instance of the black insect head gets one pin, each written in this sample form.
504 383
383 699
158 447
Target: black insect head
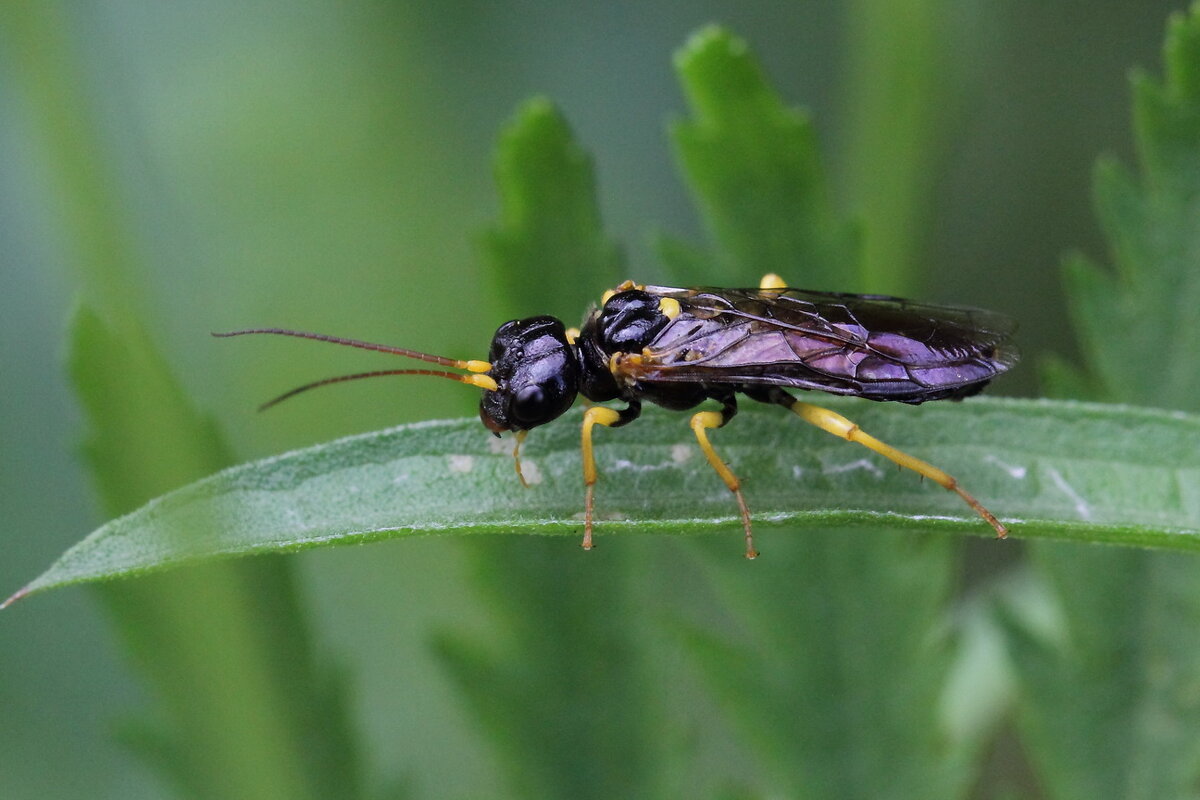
536 372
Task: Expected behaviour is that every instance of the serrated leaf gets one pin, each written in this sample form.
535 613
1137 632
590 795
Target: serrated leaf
1055 469
842 681
1109 710
549 229
802 674
224 735
567 675
230 677
1152 222
754 171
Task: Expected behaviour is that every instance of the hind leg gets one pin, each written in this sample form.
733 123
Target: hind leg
834 423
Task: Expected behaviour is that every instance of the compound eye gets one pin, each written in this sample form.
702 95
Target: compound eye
529 405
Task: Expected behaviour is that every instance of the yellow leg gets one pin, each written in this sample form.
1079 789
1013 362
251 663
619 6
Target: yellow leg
700 424
596 415
838 425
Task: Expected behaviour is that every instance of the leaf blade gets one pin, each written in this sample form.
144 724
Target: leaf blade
1136 470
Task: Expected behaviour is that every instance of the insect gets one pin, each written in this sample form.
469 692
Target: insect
679 347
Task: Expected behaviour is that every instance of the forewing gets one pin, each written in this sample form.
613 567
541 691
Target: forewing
874 346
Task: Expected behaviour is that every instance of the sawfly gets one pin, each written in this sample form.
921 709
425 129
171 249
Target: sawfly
679 347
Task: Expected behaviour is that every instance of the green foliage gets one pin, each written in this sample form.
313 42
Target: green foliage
1152 222
1109 707
549 246
126 389
802 688
241 710
755 174
567 700
828 668
1058 470
903 72
248 712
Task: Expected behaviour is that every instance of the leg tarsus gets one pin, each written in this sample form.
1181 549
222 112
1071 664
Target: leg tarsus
520 438
588 494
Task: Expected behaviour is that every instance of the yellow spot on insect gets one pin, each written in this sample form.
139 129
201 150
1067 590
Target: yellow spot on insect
772 281
572 335
477 366
669 306
617 362
482 381
624 286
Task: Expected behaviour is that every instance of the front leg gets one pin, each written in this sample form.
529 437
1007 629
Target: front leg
610 418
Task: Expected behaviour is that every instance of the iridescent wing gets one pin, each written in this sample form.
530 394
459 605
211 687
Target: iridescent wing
881 348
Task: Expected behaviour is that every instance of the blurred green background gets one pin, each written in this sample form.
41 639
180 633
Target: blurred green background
327 166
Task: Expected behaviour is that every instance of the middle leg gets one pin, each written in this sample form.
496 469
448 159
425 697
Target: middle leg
700 424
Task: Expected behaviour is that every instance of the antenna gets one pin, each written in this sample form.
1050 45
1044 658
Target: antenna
474 367
471 366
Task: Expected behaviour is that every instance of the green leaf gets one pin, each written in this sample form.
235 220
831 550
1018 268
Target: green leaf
564 695
241 709
1054 469
801 674
836 680
754 171
549 231
901 88
1152 222
1109 708
565 701
127 388
248 711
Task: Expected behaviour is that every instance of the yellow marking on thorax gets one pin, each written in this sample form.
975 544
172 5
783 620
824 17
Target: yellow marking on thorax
669 306
624 286
620 362
772 281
